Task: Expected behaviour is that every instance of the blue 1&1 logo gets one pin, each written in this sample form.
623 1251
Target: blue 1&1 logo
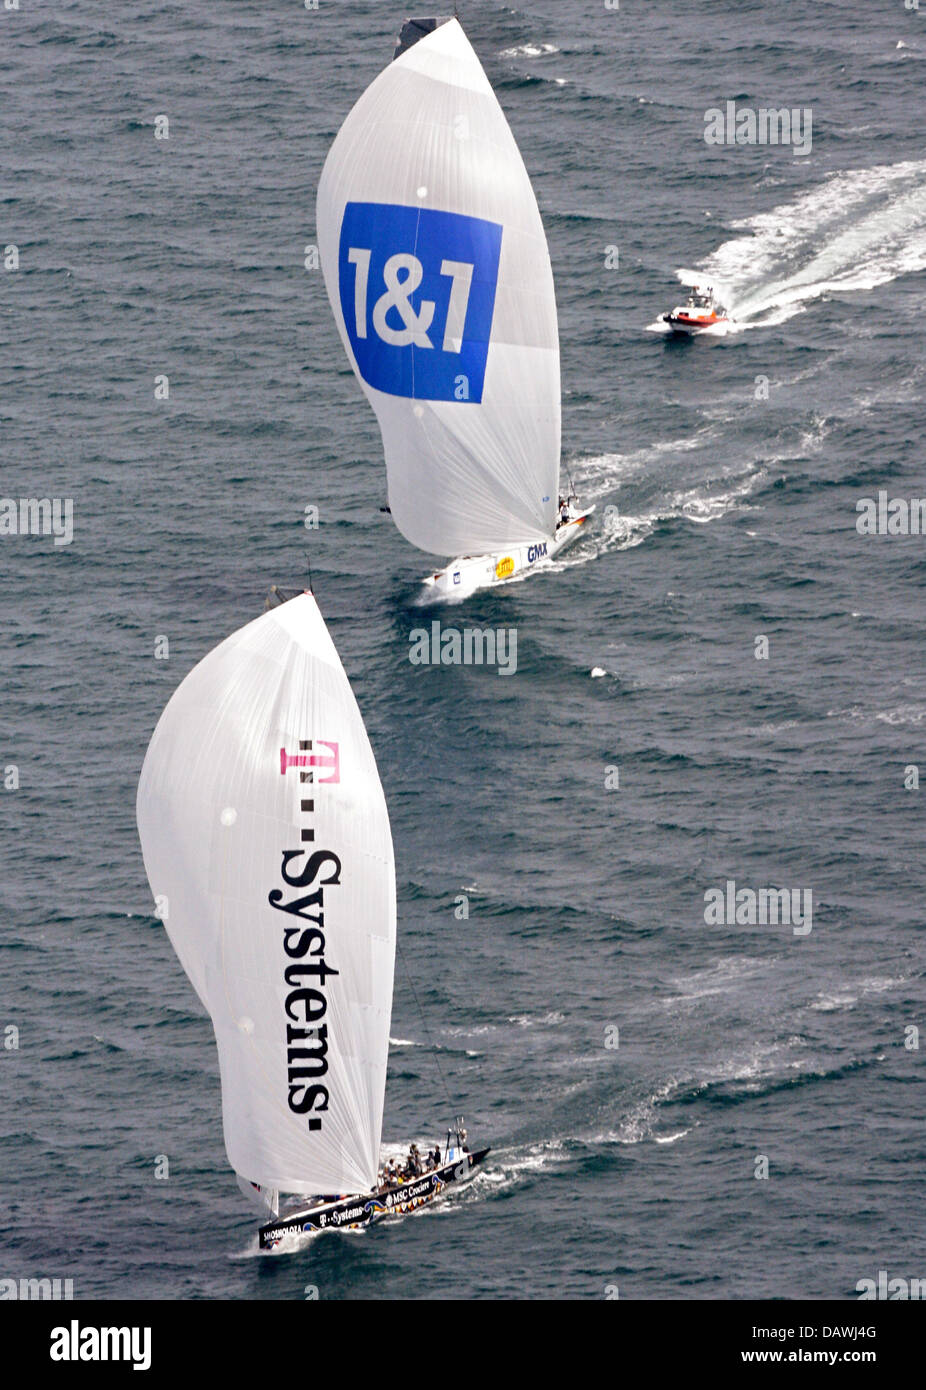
418 296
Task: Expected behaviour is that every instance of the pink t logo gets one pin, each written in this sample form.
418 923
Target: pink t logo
330 761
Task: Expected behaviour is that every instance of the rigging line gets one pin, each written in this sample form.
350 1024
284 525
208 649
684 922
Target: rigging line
424 1024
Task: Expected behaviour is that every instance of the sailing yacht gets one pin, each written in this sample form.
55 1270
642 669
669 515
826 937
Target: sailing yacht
267 846
439 277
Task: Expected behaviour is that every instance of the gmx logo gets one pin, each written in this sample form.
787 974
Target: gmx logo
418 295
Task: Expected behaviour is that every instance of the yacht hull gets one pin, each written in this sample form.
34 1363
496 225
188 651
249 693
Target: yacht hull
350 1213
471 572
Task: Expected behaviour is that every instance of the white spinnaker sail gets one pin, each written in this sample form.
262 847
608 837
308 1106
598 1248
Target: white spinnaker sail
266 837
438 272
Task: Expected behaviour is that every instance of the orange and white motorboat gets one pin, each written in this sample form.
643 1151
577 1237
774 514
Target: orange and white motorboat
700 311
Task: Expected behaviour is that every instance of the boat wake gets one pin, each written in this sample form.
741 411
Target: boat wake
630 524
747 1075
859 229
641 1124
637 492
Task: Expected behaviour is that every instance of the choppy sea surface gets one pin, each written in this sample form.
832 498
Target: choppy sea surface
630 1166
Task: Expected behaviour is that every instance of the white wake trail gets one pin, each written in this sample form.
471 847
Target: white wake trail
857 230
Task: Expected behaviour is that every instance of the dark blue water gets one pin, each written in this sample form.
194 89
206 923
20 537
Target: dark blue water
736 515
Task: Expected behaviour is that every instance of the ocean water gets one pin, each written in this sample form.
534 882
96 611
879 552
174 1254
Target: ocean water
735 519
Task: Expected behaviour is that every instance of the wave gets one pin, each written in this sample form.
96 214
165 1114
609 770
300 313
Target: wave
846 996
529 50
900 714
716 979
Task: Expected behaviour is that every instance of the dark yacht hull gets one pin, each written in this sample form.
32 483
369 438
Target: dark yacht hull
350 1212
